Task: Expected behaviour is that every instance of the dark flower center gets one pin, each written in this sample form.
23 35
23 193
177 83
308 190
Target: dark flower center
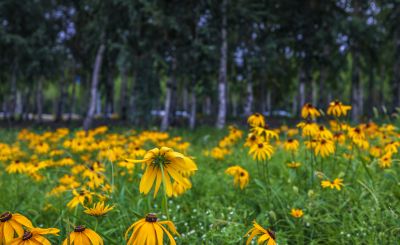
151 218
272 234
136 148
357 130
16 161
323 142
241 174
260 145
5 216
337 102
253 138
290 140
79 228
27 235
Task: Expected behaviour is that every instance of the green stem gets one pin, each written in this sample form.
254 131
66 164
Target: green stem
165 198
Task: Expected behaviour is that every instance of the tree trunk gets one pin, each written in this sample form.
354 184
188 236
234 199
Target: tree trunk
396 72
207 106
39 100
168 103
61 100
302 88
72 101
269 102
13 101
93 91
123 96
314 93
248 106
192 117
185 99
356 89
222 77
109 105
322 98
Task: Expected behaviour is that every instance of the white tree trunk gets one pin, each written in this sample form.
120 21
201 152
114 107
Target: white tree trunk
93 91
171 86
192 118
248 107
123 98
39 100
222 77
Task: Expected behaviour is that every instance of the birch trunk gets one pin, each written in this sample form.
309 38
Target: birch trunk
222 77
72 101
356 89
93 91
171 87
192 118
396 72
39 100
123 99
61 100
248 107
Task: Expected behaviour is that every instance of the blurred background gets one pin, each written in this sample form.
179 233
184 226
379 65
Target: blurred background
187 63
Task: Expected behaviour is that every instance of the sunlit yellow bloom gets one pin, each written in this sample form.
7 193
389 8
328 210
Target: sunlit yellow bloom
35 236
251 139
261 151
297 213
11 224
17 167
309 129
291 145
219 153
80 198
361 143
375 151
337 109
324 133
267 236
324 148
256 120
266 132
294 164
83 236
392 147
385 161
240 176
339 137
164 160
336 183
178 189
292 132
309 111
99 209
150 231
356 134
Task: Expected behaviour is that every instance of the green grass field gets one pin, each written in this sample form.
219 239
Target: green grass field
365 211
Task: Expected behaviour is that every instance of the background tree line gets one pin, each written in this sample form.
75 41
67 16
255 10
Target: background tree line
187 61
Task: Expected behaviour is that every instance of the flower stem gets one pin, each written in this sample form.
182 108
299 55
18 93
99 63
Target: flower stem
165 198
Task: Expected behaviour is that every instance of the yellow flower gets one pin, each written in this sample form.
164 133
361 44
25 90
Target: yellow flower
150 231
17 167
339 137
324 147
34 236
375 151
99 209
256 120
11 224
83 236
241 176
294 164
291 145
164 161
80 198
266 132
356 134
336 183
324 133
309 111
261 151
178 189
297 213
392 147
267 235
251 140
337 109
309 129
386 160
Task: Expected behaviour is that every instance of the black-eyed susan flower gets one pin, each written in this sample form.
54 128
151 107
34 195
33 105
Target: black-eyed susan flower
266 132
356 134
392 147
385 161
80 197
267 236
324 147
98 209
308 128
251 139
291 145
178 188
162 164
256 120
336 183
261 151
309 111
240 176
83 236
324 133
11 224
337 109
150 231
297 213
34 236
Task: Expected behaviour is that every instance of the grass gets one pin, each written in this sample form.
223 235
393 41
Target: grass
365 211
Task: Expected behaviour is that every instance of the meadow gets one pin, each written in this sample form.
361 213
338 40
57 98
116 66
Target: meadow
324 181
